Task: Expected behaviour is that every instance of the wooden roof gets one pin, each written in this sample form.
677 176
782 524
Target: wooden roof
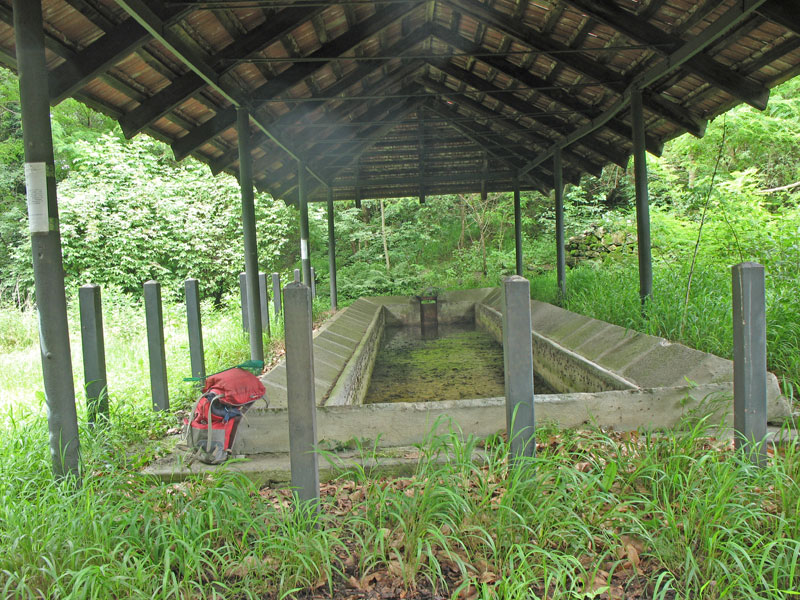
391 98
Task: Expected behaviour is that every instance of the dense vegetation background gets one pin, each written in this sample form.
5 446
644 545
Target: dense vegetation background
130 213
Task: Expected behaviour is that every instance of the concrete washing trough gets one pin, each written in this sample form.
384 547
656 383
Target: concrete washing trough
605 375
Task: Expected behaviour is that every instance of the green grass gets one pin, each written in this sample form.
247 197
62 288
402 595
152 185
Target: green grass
610 293
678 516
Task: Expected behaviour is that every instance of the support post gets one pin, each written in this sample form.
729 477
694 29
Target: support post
332 251
195 327
249 224
94 354
749 361
517 227
48 270
300 395
642 198
313 281
276 293
264 297
302 203
296 279
518 366
561 262
155 345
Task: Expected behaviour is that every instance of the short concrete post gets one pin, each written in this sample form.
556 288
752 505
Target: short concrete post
749 361
195 327
276 293
94 353
518 366
313 283
155 345
300 391
262 294
296 278
243 296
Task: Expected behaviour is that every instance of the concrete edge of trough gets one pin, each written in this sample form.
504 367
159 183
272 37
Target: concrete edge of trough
405 424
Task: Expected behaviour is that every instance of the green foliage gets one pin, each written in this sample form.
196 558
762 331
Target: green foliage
130 214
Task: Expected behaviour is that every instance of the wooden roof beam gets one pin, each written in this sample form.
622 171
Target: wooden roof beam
635 28
159 29
296 73
729 20
526 78
477 133
74 73
513 128
190 83
290 118
285 178
786 14
605 77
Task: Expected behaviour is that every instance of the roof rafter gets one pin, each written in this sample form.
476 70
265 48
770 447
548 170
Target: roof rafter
150 20
663 43
606 77
187 85
296 73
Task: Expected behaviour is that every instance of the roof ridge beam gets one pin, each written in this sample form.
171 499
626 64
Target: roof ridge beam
730 19
190 83
296 73
700 64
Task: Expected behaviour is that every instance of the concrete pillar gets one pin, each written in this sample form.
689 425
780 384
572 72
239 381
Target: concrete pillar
558 185
48 270
642 198
94 354
296 278
249 225
301 399
313 281
302 203
195 327
749 360
155 345
332 251
517 227
276 293
518 365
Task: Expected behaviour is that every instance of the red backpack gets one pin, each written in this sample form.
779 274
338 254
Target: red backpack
226 397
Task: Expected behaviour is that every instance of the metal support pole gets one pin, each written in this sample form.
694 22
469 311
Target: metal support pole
332 251
642 198
518 365
195 327
302 203
48 270
276 293
517 227
249 223
243 296
300 392
94 354
561 262
749 361
155 345
313 280
264 297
